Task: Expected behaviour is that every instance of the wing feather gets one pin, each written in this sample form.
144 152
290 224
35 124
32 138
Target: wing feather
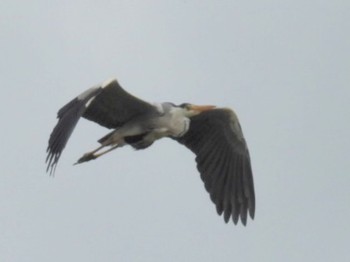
108 105
113 107
68 116
223 160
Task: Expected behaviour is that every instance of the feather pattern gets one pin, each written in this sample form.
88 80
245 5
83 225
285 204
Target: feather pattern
223 160
113 107
108 105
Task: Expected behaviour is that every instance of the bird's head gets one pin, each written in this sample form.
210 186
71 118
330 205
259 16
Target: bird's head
192 110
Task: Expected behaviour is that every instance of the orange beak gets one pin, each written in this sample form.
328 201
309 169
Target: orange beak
202 108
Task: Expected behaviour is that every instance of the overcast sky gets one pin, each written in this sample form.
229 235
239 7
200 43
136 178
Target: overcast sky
283 66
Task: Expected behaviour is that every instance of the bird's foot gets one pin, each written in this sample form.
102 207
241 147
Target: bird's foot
86 157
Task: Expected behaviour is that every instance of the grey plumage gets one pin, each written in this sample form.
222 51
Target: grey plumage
213 135
223 160
110 106
68 116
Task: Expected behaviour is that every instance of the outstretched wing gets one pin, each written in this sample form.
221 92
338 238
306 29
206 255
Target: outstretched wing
113 107
108 105
223 161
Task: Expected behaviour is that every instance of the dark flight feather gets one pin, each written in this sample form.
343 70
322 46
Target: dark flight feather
110 106
223 161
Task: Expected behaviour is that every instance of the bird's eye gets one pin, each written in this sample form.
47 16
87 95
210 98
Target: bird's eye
186 106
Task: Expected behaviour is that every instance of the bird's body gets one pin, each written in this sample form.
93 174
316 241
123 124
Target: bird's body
214 135
141 132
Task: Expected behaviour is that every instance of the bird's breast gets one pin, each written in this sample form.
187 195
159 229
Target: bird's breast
171 123
178 125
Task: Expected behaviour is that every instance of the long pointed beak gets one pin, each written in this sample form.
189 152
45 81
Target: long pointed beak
202 108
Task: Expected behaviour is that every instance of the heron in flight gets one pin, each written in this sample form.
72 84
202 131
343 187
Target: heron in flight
213 134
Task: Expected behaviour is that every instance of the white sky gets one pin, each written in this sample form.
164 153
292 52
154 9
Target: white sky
282 65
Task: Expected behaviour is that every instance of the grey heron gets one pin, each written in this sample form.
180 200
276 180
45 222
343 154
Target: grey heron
213 134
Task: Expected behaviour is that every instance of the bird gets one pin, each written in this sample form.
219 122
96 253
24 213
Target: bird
213 134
